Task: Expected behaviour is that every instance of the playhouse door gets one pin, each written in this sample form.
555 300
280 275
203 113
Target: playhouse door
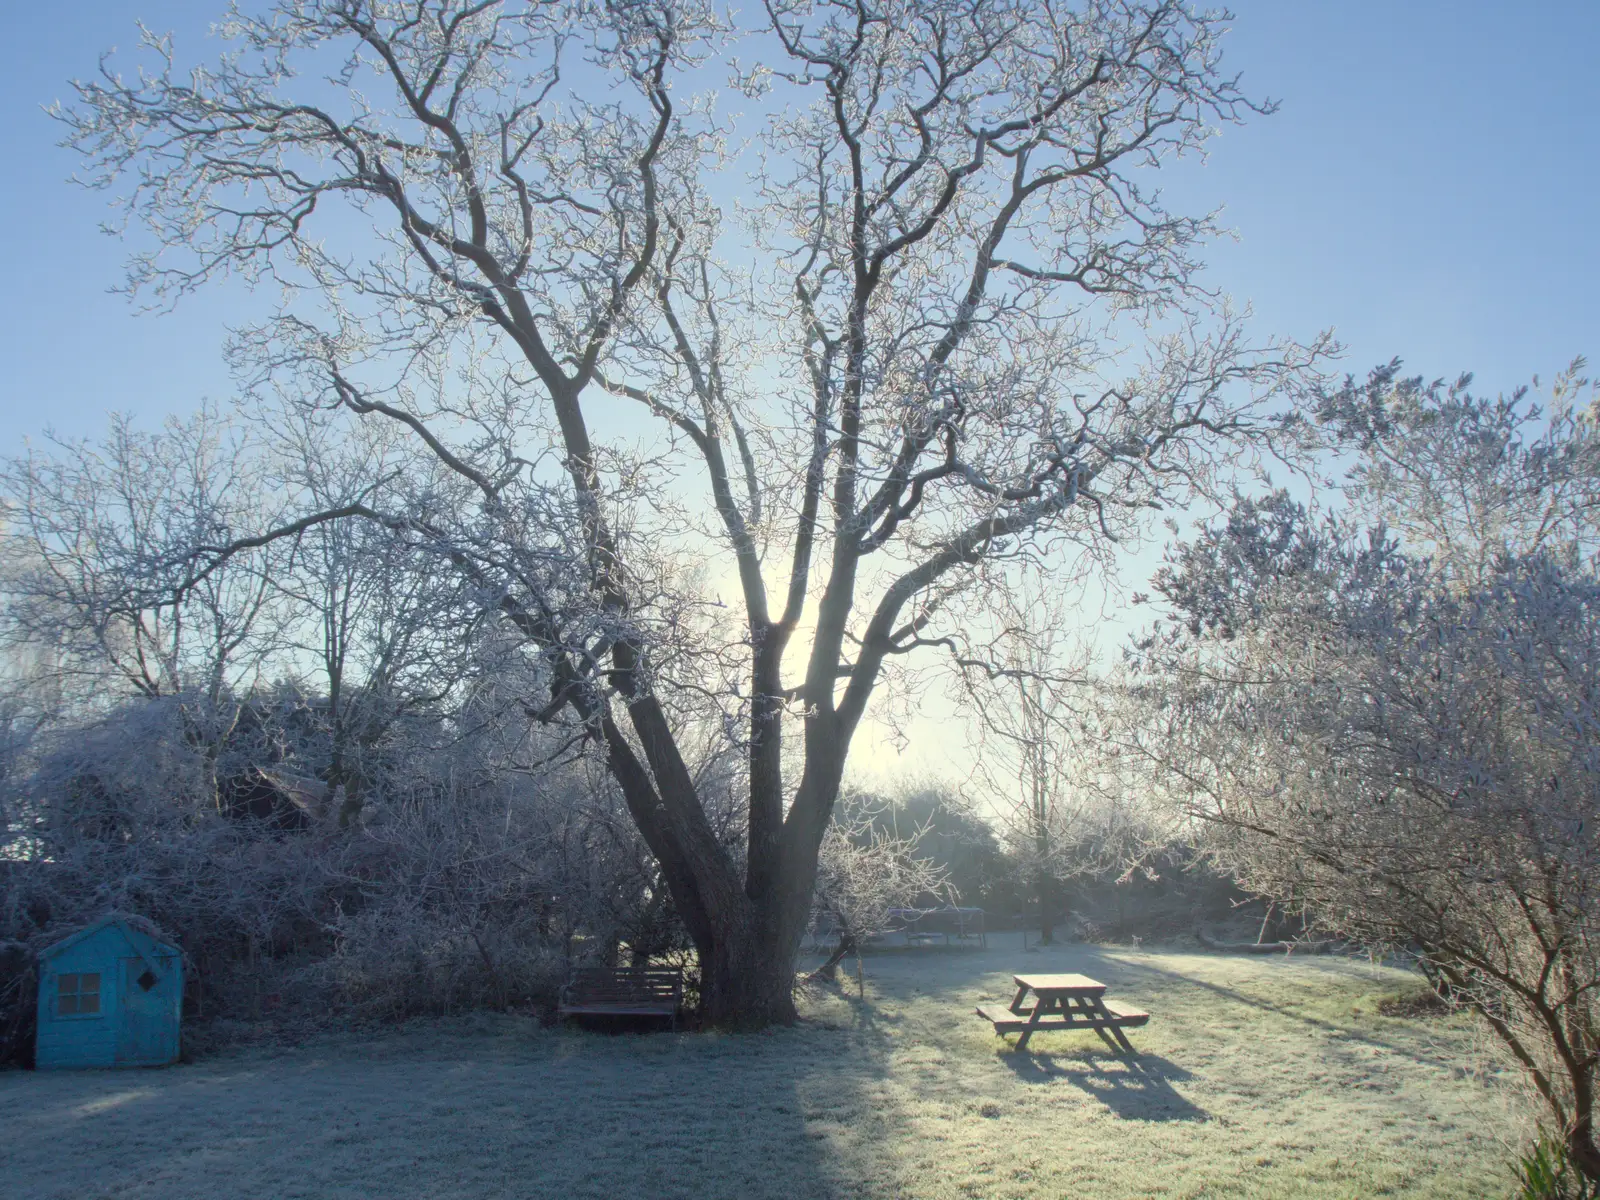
149 1030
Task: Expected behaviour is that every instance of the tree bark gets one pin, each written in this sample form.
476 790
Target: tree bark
746 938
746 982
830 969
1581 1148
1049 909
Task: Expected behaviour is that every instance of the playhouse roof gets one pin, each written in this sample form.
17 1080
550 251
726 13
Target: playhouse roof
126 920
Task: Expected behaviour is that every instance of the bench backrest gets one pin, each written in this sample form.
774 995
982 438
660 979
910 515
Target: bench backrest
619 984
962 921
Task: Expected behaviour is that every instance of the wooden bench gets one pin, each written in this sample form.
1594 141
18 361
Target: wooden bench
623 992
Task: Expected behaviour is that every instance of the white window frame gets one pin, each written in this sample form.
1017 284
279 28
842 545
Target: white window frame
99 993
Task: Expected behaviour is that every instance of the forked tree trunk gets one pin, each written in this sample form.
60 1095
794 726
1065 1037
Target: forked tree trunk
746 927
749 946
749 982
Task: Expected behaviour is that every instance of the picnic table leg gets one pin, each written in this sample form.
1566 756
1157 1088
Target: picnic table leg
1042 1005
1016 1002
1022 1038
1080 1012
1089 1009
1116 1030
1106 1037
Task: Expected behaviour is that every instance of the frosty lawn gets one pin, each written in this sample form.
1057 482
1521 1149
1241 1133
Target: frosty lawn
1255 1078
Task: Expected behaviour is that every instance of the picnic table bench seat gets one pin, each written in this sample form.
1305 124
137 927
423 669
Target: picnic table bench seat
1006 1021
622 992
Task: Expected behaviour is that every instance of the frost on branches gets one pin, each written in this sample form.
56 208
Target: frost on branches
864 871
1409 745
727 411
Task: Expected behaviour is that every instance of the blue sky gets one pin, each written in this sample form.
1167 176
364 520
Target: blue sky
1429 189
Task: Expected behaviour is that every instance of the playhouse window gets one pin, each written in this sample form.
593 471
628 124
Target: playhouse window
78 995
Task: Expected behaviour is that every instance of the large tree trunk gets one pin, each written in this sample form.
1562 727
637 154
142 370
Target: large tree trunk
746 926
748 965
746 983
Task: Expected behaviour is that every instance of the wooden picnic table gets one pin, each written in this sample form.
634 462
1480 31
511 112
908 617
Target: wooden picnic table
1064 1002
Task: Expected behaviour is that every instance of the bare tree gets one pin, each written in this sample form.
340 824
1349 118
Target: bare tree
94 546
1414 764
865 871
1030 764
382 624
1403 737
93 569
899 372
1467 478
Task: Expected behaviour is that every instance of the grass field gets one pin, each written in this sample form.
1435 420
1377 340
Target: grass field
1256 1077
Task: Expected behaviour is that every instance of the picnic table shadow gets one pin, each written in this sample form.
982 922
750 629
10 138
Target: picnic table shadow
1135 1088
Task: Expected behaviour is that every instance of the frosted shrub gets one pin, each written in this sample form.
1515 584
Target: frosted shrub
460 888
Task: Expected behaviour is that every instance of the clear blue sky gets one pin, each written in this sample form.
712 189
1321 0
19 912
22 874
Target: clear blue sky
1430 189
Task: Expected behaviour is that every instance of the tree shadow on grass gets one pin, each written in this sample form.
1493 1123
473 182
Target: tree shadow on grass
1345 1031
1134 1088
866 1012
781 1115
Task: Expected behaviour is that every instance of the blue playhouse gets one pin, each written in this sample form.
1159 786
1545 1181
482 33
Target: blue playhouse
110 995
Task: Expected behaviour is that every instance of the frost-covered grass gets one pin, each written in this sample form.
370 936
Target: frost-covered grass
1255 1077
